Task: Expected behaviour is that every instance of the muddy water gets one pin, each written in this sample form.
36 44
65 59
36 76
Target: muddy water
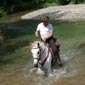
69 74
15 67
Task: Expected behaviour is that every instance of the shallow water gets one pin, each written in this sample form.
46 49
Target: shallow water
56 74
16 65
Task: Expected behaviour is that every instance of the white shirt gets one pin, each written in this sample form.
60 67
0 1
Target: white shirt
44 30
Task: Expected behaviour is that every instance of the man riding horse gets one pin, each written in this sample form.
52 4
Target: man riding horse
45 32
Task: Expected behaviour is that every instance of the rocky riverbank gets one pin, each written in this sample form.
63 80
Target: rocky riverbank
67 12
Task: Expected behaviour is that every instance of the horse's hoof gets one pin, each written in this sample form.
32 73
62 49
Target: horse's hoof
40 72
33 70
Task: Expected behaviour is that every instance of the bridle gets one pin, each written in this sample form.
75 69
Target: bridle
36 48
41 54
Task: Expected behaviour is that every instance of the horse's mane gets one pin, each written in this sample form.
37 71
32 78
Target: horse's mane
40 42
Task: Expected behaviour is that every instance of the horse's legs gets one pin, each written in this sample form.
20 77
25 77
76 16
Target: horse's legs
48 63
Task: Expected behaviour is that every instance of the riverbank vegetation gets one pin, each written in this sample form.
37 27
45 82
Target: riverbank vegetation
14 6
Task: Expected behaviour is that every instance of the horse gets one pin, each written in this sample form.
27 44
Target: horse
42 57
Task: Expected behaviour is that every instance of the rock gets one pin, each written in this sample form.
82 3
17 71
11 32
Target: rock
66 12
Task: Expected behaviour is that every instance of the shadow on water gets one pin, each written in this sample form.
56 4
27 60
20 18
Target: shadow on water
14 47
19 34
81 48
20 28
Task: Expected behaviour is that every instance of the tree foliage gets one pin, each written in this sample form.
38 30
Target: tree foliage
12 6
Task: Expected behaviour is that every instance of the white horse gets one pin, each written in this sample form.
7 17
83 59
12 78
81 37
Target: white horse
42 57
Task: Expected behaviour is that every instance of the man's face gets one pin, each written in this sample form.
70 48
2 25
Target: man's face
45 22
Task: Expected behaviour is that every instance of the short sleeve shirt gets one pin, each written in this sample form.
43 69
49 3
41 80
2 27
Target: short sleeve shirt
44 30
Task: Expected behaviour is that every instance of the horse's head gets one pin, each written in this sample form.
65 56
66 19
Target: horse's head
35 49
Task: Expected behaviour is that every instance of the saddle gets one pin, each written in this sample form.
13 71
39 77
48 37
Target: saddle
50 49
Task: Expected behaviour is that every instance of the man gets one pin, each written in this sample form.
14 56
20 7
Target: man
45 32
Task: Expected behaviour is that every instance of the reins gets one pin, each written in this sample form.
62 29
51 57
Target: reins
45 59
43 62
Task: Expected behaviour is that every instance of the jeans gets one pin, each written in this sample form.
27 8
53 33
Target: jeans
51 42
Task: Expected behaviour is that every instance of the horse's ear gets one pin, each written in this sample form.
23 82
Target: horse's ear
30 44
38 44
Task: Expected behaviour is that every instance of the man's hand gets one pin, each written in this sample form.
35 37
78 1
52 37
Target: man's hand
50 35
37 33
44 39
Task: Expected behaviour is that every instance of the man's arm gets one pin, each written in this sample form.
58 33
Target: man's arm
50 35
51 32
37 33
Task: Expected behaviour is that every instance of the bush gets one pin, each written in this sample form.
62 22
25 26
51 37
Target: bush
76 1
2 12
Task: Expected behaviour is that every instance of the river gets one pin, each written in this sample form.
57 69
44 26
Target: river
16 63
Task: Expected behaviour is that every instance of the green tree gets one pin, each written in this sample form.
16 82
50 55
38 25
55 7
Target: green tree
77 1
12 6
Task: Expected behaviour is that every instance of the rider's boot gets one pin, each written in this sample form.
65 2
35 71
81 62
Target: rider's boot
58 60
58 48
